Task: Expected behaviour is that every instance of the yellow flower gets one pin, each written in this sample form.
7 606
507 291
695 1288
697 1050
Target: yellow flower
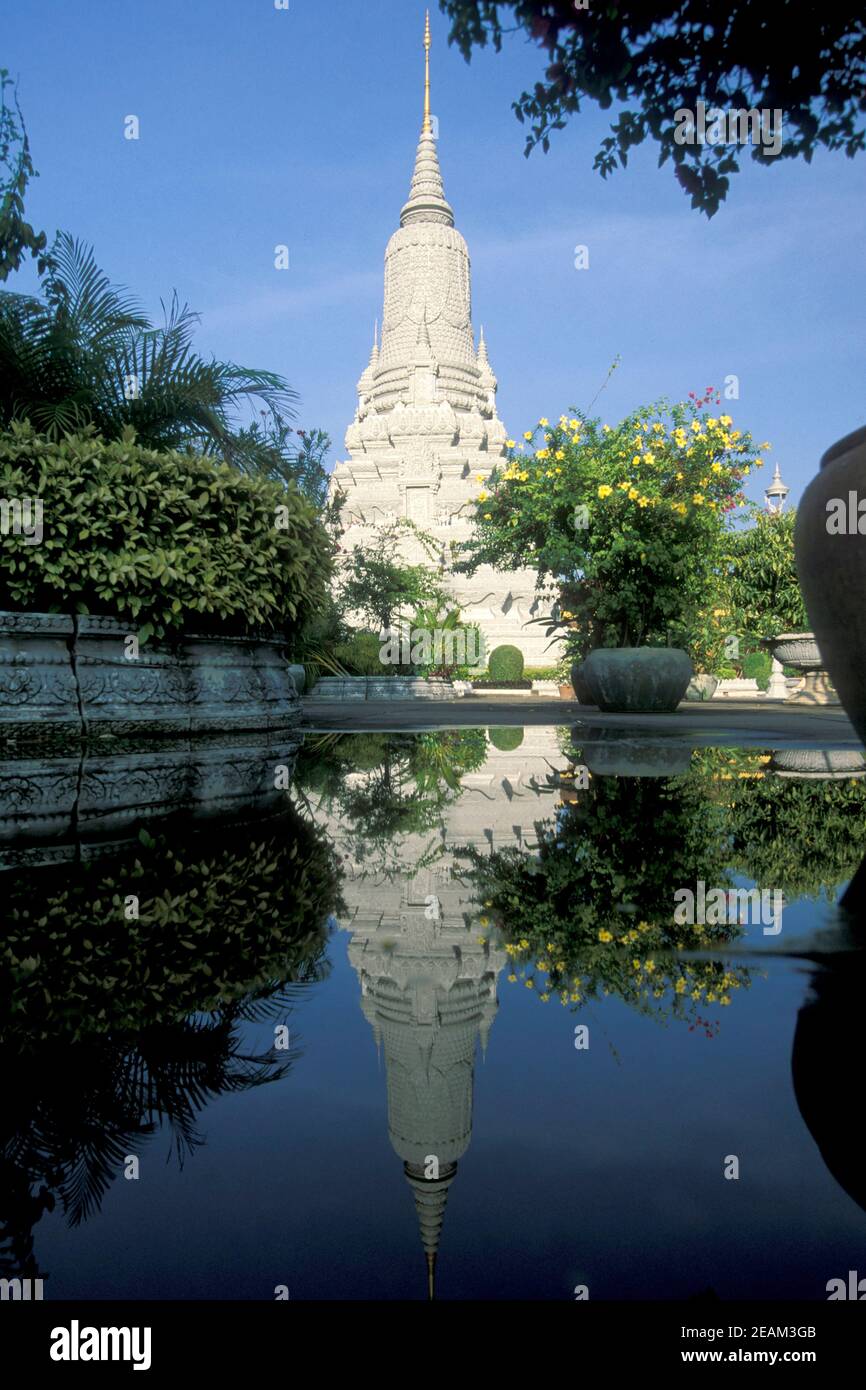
605 429
716 468
511 979
530 984
695 427
542 453
605 936
633 493
623 487
523 476
510 443
643 501
575 424
680 477
649 966
649 458
698 499
659 429
560 453
636 460
483 922
604 490
482 496
527 434
759 463
488 516
726 421
544 422
479 477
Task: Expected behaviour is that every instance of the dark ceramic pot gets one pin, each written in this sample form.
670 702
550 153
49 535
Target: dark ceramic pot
637 680
830 542
582 691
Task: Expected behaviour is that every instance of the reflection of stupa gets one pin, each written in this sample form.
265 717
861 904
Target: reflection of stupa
428 983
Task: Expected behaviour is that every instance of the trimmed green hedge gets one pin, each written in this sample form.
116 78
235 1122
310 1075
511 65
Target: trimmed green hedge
505 664
166 540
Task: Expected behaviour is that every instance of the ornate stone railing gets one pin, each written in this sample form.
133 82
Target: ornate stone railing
63 676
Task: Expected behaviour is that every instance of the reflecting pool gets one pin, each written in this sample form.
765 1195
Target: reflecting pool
484 1014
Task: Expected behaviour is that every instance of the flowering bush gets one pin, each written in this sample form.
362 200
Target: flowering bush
629 520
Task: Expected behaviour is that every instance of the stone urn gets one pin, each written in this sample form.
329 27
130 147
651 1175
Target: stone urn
637 680
702 687
800 650
830 542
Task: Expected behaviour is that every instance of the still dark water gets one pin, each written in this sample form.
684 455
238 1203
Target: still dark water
431 918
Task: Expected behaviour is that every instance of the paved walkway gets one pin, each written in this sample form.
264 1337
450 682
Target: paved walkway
746 723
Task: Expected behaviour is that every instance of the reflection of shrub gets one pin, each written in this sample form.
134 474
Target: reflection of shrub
804 838
217 919
506 740
506 664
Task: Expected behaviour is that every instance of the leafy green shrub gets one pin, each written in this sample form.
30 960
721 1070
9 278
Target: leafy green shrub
506 740
360 655
166 540
757 667
506 664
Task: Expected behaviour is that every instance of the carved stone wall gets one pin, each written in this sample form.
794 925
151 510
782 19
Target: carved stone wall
72 677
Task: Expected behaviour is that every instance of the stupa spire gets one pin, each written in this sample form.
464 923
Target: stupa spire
427 202
427 127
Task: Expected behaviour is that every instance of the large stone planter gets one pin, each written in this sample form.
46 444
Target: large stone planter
637 680
83 676
831 562
800 650
582 690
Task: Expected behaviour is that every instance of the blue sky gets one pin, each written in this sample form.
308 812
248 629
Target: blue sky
262 126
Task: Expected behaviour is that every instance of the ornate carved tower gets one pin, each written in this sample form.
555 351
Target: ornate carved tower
426 428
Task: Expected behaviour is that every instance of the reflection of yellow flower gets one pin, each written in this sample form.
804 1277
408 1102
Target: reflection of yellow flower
511 979
604 490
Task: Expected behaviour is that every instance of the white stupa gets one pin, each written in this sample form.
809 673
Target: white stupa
426 427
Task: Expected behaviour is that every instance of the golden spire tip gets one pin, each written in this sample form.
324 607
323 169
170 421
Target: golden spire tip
427 127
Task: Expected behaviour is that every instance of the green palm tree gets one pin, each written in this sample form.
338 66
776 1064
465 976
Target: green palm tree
86 354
